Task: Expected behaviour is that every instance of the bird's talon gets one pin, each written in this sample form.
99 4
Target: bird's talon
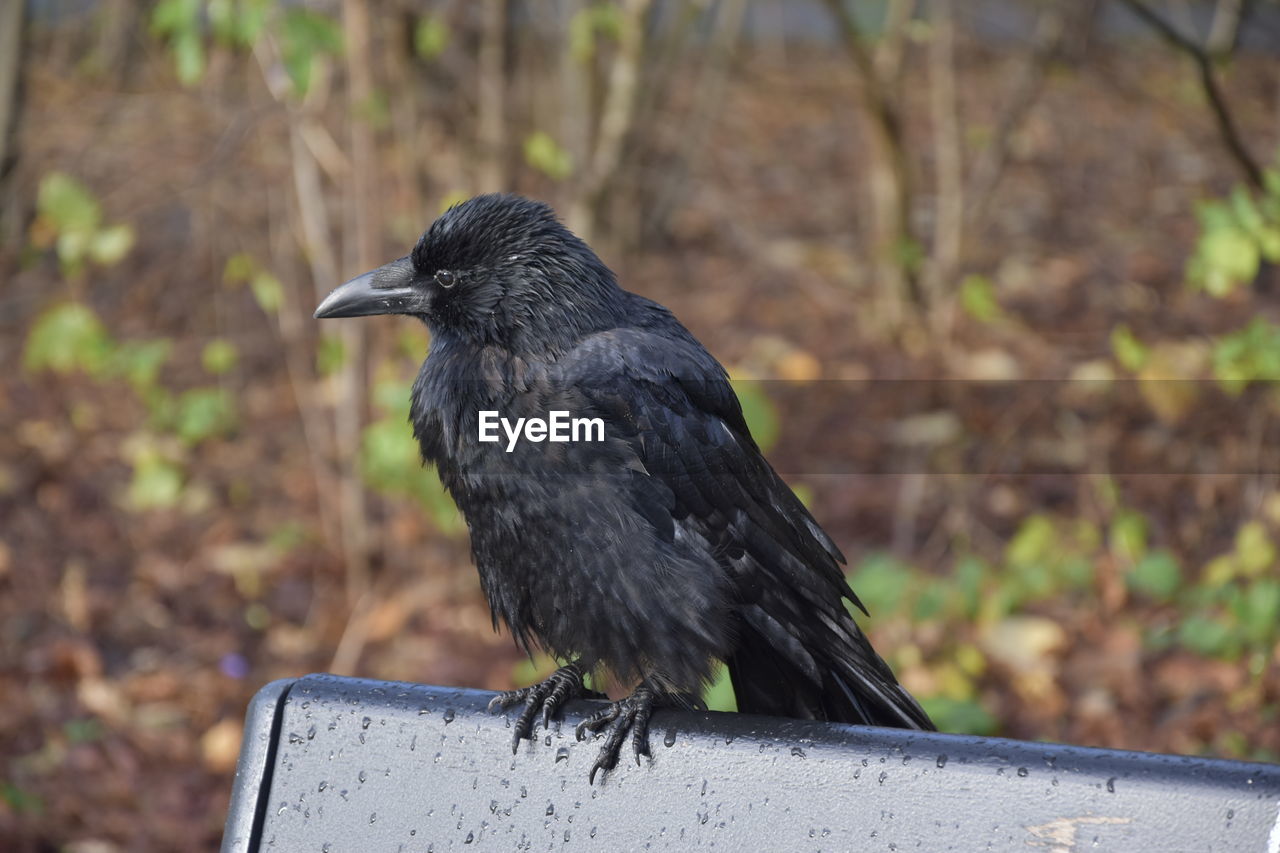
562 685
626 715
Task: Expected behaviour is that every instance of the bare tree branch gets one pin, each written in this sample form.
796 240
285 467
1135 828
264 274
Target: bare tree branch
616 117
726 21
491 129
1224 30
1208 81
10 62
365 230
891 183
948 146
1028 80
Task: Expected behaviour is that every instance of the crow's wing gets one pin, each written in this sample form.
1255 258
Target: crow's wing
661 393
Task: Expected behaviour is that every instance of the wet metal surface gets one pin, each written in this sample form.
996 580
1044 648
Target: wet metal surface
366 766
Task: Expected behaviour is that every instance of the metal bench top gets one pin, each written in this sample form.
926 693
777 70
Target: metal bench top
341 764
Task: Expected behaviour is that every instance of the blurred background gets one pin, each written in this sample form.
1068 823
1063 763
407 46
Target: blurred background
995 281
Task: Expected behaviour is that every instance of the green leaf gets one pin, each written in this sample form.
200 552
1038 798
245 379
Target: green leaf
1255 552
881 582
85 730
1208 635
174 16
1129 351
139 362
720 696
391 396
203 413
237 23
268 290
188 57
758 410
543 153
452 198
933 600
222 19
1157 575
959 716
66 338
251 21
20 801
601 19
970 576
1035 541
156 483
1129 535
1249 355
110 245
1260 612
219 356
430 36
304 36
239 269
1226 256
68 204
331 354
390 463
374 110
978 299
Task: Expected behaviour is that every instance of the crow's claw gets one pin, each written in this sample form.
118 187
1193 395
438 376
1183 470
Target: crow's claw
626 715
563 684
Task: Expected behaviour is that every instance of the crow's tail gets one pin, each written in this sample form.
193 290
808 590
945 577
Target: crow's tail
831 673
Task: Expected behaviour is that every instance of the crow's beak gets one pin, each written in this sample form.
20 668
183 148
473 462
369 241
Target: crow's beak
387 290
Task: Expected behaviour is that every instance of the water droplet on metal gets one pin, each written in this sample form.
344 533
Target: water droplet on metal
373 816
362 775
295 738
364 724
797 752
448 716
1111 785
311 733
471 836
1022 771
670 738
323 785
551 809
562 754
942 761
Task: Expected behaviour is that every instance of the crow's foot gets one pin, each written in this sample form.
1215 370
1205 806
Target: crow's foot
550 695
630 714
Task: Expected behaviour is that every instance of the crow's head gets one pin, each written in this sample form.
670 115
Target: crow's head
495 269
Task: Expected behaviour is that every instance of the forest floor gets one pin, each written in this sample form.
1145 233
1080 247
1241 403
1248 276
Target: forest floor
996 463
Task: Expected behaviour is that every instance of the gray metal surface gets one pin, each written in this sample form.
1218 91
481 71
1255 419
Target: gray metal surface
368 766
257 754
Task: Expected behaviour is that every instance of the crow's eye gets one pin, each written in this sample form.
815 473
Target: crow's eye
445 278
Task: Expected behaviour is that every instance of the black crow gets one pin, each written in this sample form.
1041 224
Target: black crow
658 543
